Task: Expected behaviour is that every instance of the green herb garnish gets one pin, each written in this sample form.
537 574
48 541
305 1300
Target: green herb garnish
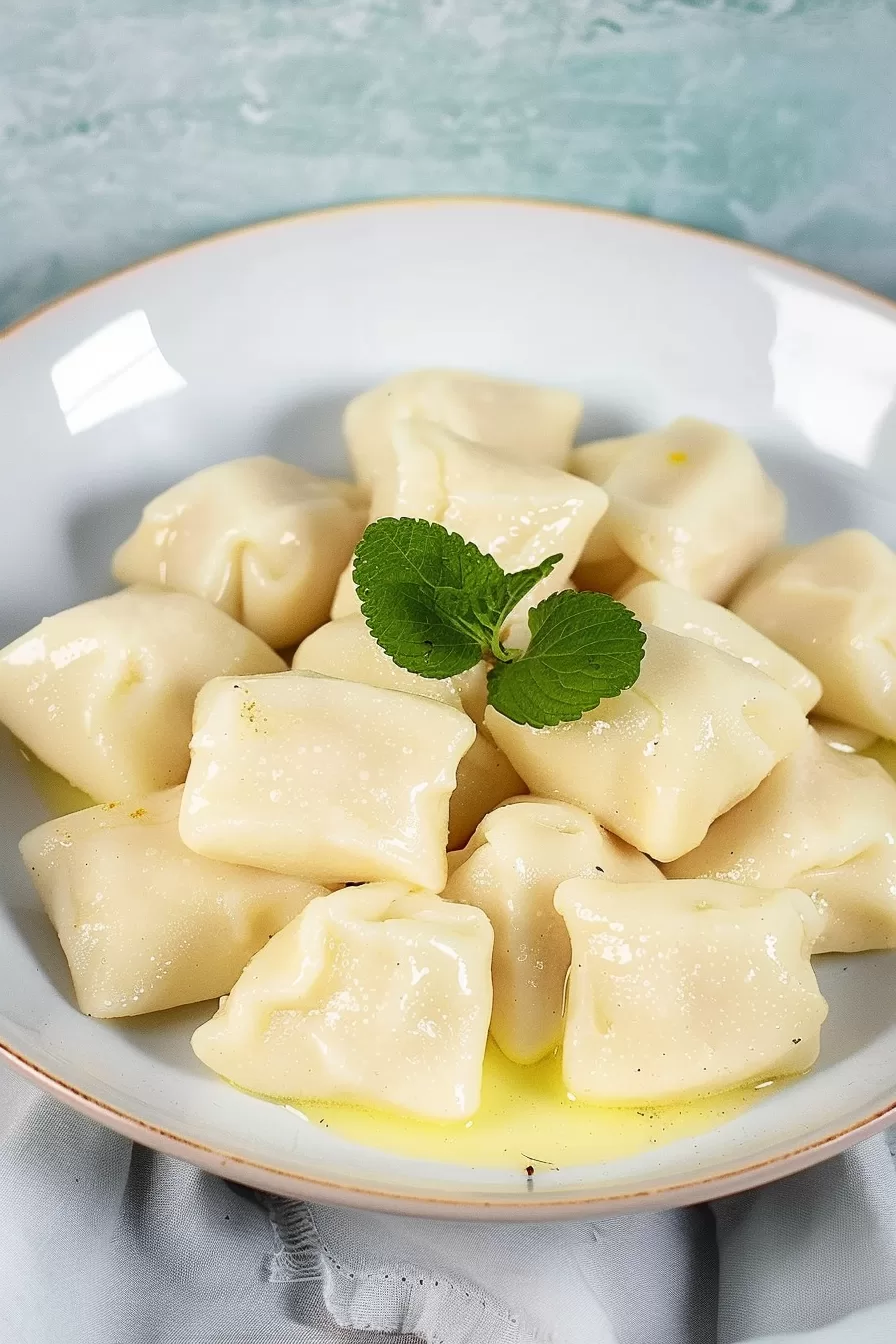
437 605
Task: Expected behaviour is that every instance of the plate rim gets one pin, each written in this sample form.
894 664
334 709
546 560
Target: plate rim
369 1195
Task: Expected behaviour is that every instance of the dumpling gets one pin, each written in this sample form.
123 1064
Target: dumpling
264 540
103 693
833 605
145 924
485 779
376 996
656 765
511 869
686 988
331 780
689 504
520 514
670 608
345 648
518 420
822 821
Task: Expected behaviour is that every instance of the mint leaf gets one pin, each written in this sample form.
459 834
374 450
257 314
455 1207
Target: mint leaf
437 604
585 648
434 602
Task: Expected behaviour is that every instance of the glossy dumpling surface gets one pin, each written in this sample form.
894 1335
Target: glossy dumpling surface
657 603
832 604
329 779
657 764
518 420
823 821
511 869
519 513
376 995
345 648
144 923
264 540
103 693
686 988
689 504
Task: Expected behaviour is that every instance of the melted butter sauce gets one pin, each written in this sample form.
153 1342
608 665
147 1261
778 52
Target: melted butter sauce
527 1119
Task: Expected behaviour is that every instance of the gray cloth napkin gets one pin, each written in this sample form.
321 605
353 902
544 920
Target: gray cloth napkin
106 1242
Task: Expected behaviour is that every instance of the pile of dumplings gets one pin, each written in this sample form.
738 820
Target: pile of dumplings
376 870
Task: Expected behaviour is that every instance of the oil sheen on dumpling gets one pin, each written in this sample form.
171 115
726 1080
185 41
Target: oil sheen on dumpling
377 995
519 421
513 865
689 504
103 693
657 764
520 514
657 603
825 822
264 540
345 648
686 988
832 605
144 923
332 780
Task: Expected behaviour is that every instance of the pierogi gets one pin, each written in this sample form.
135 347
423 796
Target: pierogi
657 764
686 988
144 923
516 420
103 693
264 540
327 779
832 605
689 504
823 821
378 995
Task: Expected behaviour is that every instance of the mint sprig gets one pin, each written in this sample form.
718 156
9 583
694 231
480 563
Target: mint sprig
437 605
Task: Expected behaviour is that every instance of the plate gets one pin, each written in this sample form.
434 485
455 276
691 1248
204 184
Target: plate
253 342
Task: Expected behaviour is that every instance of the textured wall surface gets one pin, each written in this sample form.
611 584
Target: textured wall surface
127 126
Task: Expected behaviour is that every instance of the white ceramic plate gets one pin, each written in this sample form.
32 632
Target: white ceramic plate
252 343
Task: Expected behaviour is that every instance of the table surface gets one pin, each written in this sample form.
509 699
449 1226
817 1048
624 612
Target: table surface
129 126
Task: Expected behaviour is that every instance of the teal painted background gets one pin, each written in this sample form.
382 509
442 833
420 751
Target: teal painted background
127 126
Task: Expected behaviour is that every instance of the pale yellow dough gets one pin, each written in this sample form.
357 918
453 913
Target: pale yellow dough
103 693
686 988
832 604
329 779
263 539
689 504
377 995
520 421
657 764
519 513
345 648
519 855
144 923
657 603
823 821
